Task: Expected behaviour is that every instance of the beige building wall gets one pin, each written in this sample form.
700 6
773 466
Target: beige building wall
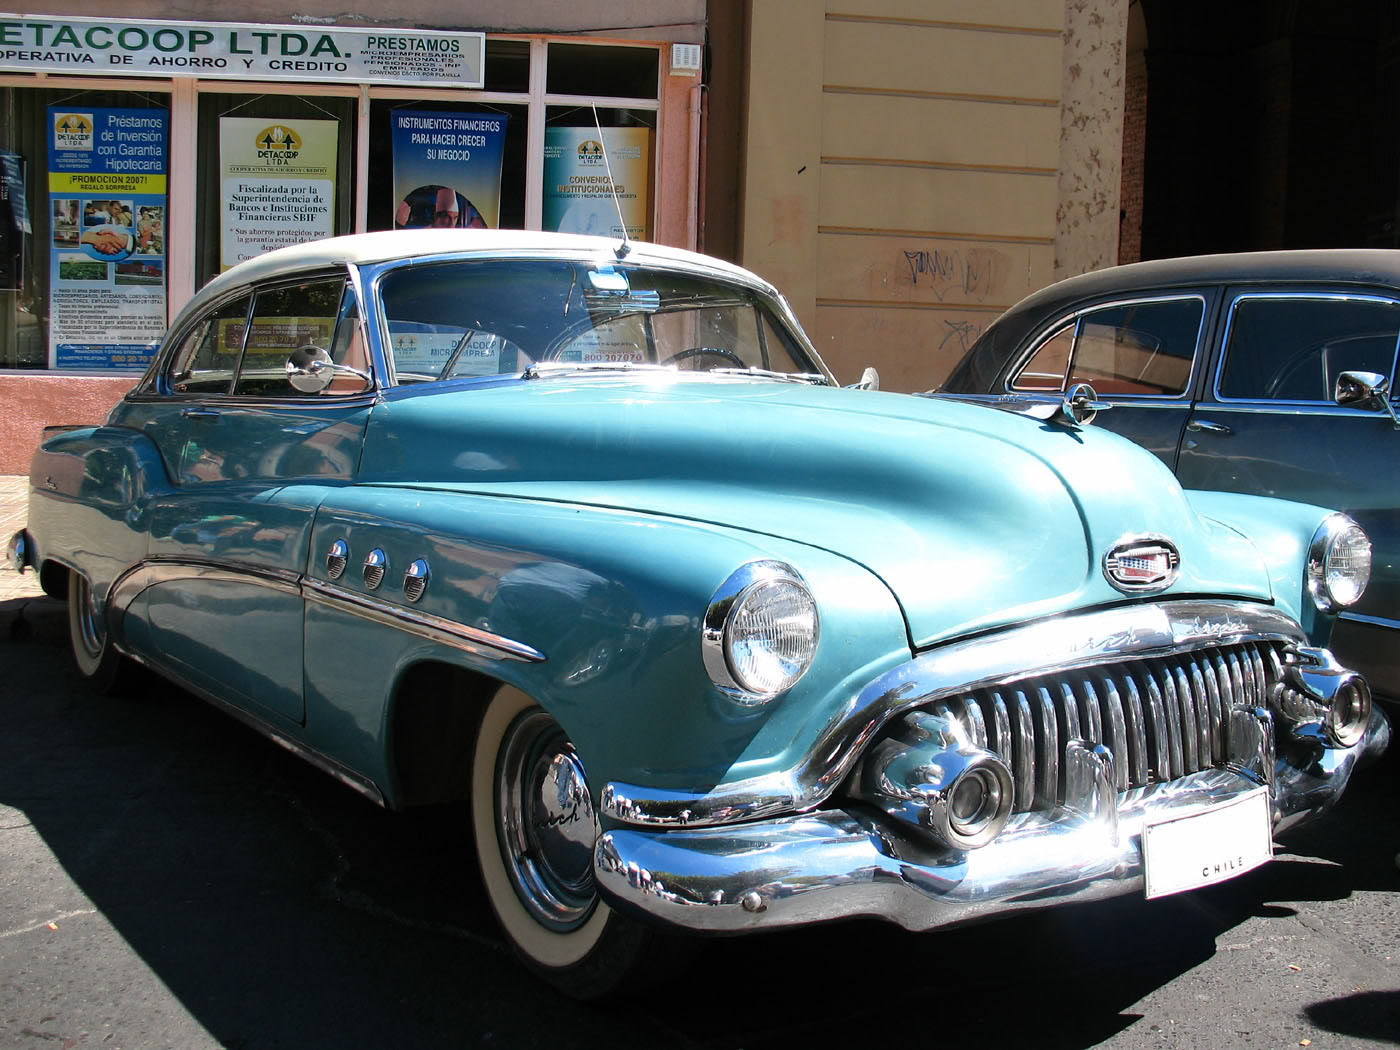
905 166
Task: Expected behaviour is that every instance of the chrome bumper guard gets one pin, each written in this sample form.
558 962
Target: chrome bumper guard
847 863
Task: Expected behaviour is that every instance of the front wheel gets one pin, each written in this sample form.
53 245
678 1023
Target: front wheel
535 828
97 658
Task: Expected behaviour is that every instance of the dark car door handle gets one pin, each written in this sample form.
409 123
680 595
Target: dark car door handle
1208 427
199 413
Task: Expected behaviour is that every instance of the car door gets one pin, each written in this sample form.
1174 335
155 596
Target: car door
1140 353
1270 426
250 458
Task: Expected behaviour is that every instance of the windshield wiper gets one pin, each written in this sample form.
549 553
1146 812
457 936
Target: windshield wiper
815 378
544 369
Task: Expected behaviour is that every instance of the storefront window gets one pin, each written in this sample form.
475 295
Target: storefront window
274 170
578 196
83 227
117 202
446 164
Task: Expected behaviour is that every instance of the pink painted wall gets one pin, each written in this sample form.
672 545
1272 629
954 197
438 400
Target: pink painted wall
30 403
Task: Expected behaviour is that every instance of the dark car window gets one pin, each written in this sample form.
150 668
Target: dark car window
1127 348
1292 348
207 356
287 318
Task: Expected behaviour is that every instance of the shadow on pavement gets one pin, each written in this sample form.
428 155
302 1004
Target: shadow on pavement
282 909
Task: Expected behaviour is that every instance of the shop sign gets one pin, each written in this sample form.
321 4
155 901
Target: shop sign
578 193
107 198
247 51
278 181
447 168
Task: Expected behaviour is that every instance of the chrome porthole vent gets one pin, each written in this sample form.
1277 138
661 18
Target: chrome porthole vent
415 580
376 562
335 559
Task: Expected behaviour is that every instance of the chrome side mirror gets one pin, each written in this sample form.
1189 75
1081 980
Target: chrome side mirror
1365 390
310 370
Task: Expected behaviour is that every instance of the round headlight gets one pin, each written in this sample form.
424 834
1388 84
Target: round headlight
761 632
1339 563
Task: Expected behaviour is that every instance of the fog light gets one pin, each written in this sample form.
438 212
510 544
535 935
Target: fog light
975 810
1349 713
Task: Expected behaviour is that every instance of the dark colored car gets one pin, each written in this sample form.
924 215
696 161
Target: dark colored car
1266 373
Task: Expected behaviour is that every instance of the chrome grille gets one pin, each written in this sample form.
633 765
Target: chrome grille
1161 718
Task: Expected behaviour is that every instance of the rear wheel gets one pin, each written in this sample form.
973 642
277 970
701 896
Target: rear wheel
535 829
97 659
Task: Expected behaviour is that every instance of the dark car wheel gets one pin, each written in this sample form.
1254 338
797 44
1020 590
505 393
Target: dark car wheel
535 829
105 669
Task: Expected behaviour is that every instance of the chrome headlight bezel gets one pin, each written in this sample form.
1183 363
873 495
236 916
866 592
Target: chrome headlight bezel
750 582
1335 530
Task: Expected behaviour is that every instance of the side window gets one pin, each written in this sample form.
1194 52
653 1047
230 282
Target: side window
1292 348
205 361
287 318
1130 348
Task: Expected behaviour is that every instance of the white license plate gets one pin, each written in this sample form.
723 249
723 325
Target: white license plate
1182 853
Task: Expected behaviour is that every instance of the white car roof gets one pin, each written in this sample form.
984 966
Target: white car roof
366 248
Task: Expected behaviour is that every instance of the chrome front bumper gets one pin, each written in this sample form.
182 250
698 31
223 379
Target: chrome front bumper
845 863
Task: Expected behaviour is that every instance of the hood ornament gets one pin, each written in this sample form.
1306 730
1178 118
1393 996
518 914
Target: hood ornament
1142 564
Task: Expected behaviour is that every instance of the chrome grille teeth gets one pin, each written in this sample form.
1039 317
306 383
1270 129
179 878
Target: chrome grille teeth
1160 718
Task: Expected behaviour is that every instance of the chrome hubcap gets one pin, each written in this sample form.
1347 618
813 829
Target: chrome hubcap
89 625
546 822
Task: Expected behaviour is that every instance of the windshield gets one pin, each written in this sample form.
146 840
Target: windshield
458 319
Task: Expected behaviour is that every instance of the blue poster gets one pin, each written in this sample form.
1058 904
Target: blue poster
108 173
447 168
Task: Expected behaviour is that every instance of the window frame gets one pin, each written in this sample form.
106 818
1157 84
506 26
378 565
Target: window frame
1318 295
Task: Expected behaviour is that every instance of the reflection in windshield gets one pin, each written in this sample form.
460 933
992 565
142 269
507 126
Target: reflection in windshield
462 319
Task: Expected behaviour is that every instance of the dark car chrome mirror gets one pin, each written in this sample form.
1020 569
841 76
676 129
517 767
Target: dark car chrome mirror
869 380
1080 405
1365 390
310 370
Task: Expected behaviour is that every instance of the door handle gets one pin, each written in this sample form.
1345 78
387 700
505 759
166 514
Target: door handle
200 413
1208 427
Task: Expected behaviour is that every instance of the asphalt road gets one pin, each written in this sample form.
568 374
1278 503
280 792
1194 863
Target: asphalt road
168 878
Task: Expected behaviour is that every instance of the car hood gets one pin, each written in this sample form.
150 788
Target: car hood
973 517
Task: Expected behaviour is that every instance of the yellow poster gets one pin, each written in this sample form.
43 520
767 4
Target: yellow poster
578 194
278 184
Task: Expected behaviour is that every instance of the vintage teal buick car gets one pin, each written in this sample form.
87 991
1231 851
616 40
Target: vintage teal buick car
583 536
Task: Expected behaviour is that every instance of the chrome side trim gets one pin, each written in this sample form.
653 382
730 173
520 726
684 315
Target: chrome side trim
991 661
1374 621
424 625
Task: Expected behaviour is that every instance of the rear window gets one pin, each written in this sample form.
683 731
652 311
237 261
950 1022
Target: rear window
1144 348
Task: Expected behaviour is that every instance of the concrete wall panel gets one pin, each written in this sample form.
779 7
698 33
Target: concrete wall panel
937 201
934 59
35 401
927 271
912 348
1038 14
940 131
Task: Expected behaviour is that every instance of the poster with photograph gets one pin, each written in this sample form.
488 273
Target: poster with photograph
577 195
447 169
107 198
278 184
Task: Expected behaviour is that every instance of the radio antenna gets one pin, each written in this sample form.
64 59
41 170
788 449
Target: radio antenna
622 249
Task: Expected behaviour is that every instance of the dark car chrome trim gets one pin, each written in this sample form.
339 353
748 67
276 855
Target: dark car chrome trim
1046 646
425 625
1300 294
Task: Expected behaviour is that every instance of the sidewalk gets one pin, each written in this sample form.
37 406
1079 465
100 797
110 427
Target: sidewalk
21 599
